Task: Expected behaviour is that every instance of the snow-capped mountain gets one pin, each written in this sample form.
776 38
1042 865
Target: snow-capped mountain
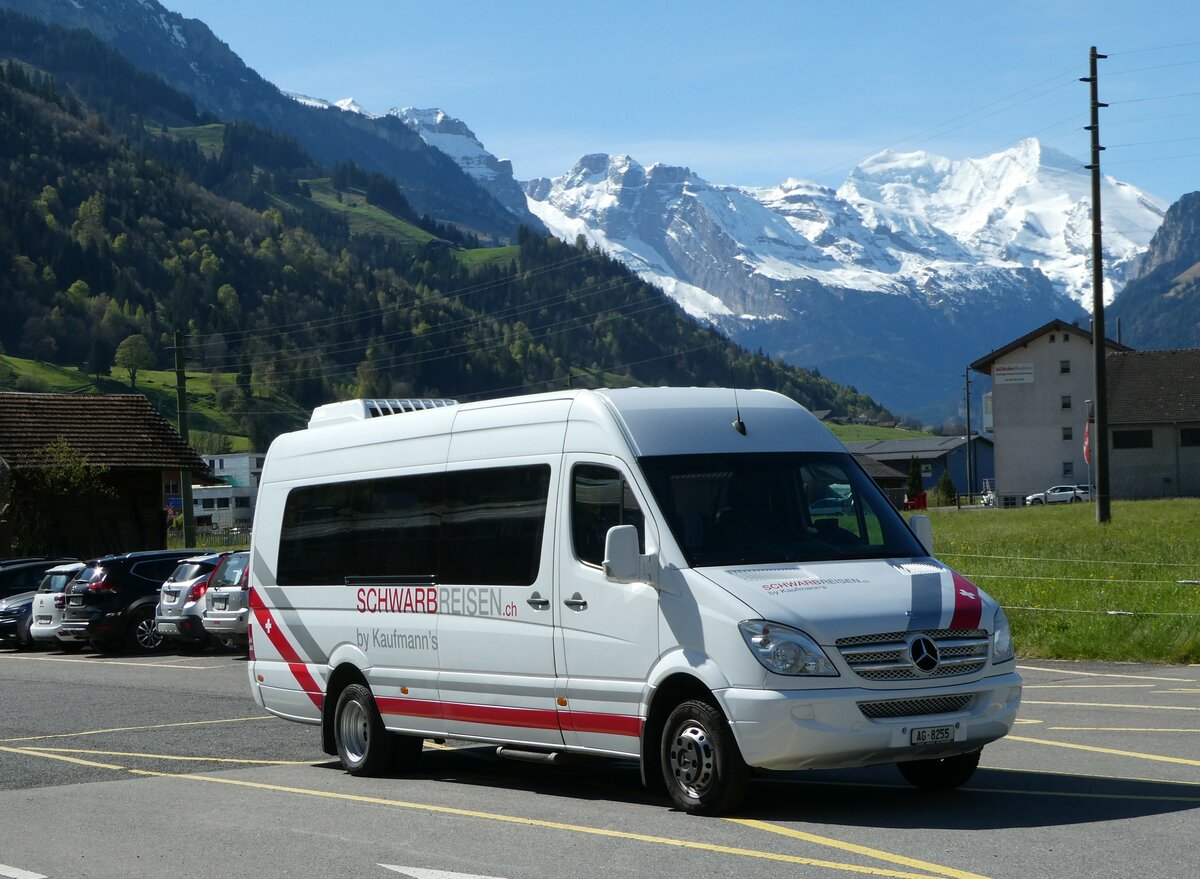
1029 205
451 137
455 139
916 266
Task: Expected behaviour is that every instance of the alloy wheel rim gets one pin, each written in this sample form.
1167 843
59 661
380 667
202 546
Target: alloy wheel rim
353 729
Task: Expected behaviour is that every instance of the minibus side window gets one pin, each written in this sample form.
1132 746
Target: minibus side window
492 526
601 499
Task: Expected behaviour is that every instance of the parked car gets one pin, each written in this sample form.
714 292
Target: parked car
1085 492
19 579
227 604
15 614
1057 494
831 506
49 602
25 574
111 603
178 616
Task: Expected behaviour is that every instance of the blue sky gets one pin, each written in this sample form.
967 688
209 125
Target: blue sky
751 92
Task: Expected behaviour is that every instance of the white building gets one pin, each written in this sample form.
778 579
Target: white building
1042 384
230 505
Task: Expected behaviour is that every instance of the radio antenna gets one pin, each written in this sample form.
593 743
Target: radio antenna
738 425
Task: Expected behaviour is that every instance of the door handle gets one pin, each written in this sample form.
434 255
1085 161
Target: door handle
537 602
576 602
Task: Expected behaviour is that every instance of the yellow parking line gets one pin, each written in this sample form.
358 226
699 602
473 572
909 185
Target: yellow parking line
1096 674
50 751
554 825
862 850
1183 761
1111 705
117 729
29 753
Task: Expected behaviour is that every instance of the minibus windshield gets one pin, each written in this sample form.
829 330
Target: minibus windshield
736 509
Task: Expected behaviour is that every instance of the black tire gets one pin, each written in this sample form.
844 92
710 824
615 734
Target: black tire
364 746
945 773
1076 499
1035 502
108 647
143 636
25 633
701 765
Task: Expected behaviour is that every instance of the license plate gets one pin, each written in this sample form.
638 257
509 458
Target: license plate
170 594
76 600
220 602
167 629
43 621
932 735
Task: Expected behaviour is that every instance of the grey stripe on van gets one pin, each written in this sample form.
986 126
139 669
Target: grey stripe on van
277 600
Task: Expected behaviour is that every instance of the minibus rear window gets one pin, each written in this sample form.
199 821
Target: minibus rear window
735 509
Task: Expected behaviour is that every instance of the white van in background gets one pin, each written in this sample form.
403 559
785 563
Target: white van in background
633 573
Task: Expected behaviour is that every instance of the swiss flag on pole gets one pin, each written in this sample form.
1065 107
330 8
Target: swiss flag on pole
1087 442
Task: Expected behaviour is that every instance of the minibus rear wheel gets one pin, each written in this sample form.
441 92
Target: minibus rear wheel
701 764
945 773
363 745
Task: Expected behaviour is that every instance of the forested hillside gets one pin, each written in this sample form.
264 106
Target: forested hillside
124 211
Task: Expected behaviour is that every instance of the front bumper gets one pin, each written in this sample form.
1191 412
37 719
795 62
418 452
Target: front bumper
827 729
10 628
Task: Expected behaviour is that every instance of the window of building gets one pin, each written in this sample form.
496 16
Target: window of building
241 503
171 488
601 499
1052 337
1066 401
258 462
1068 468
1068 433
207 504
1189 436
222 503
1064 367
1133 439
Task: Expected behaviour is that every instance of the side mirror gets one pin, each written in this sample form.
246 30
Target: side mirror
622 561
922 527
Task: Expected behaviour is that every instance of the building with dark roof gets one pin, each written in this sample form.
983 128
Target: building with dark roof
141 453
1037 409
935 455
1154 423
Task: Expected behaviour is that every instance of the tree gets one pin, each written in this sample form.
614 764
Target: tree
58 480
915 484
134 354
944 493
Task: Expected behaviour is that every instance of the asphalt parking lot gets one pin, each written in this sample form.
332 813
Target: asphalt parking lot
115 766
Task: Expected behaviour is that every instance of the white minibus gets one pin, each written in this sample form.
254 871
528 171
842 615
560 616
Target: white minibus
700 579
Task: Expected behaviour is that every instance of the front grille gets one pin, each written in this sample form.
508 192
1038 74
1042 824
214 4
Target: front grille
885 656
890 708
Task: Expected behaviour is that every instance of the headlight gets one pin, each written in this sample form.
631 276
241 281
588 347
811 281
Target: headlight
1002 645
784 650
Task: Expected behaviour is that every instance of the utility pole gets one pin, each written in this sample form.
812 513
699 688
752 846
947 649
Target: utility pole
970 458
1099 435
185 476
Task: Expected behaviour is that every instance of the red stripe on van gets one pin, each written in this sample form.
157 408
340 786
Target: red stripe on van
281 644
968 606
525 718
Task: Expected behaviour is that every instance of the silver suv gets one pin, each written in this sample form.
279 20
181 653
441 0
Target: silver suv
181 600
227 604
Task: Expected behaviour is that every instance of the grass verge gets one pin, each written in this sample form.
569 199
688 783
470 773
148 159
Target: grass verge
1125 591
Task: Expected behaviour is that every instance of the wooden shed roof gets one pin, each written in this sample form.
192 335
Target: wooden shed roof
120 431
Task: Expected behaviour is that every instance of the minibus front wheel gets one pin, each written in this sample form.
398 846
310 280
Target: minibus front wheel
701 764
